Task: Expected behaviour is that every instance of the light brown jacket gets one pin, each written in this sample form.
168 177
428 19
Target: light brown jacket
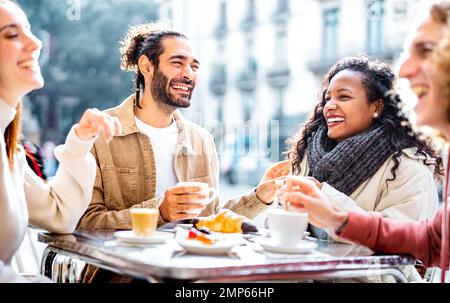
126 172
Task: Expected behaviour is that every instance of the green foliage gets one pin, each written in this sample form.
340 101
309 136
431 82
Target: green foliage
81 57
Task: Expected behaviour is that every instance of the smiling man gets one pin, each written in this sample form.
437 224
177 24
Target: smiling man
158 147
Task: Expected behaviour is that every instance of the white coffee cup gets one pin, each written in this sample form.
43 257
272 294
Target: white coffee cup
210 192
286 227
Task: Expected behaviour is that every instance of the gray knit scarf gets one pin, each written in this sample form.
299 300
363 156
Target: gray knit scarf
347 164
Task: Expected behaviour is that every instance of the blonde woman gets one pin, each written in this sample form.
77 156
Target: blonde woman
24 198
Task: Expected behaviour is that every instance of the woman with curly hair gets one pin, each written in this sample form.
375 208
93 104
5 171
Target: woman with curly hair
427 67
360 148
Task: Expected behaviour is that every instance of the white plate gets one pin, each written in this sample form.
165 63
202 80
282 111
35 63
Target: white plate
270 245
225 242
221 247
128 236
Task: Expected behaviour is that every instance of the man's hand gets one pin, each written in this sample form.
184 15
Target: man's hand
268 186
182 202
93 122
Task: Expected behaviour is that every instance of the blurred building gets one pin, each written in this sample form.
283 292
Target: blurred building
263 60
30 125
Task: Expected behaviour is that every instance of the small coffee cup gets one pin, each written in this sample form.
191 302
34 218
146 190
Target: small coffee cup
144 221
210 192
287 227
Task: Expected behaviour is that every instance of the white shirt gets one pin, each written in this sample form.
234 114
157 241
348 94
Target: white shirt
164 143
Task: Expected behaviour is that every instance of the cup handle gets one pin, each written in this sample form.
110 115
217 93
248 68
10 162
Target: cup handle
214 195
266 223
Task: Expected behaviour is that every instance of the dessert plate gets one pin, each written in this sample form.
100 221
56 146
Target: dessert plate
128 236
224 243
196 247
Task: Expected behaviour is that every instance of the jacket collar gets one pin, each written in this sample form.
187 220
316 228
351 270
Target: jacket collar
125 113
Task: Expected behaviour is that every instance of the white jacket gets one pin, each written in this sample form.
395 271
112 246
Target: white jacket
25 199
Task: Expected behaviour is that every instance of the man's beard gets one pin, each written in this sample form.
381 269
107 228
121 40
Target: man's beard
161 94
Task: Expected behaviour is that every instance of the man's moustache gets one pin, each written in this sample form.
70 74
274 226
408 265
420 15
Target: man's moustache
187 82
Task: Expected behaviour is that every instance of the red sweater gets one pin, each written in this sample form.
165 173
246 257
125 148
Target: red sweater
420 239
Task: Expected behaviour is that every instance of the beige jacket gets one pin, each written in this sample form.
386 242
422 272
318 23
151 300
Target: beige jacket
411 196
126 172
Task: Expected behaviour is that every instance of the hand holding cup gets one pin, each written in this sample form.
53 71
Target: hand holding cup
186 200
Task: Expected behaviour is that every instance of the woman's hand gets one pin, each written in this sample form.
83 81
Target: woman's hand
93 122
268 186
316 182
305 195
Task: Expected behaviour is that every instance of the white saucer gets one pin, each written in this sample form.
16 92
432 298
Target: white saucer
128 236
270 245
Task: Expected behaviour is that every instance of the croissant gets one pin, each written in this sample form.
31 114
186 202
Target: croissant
227 221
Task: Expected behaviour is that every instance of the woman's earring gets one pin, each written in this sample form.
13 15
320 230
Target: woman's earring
375 115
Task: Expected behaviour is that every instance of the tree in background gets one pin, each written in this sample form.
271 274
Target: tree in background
80 60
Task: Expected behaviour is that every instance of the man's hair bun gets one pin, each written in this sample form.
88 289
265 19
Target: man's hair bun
131 44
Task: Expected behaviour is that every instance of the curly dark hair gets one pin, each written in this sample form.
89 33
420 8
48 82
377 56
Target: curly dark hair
378 79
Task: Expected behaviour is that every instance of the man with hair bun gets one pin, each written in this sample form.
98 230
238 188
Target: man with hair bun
158 147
